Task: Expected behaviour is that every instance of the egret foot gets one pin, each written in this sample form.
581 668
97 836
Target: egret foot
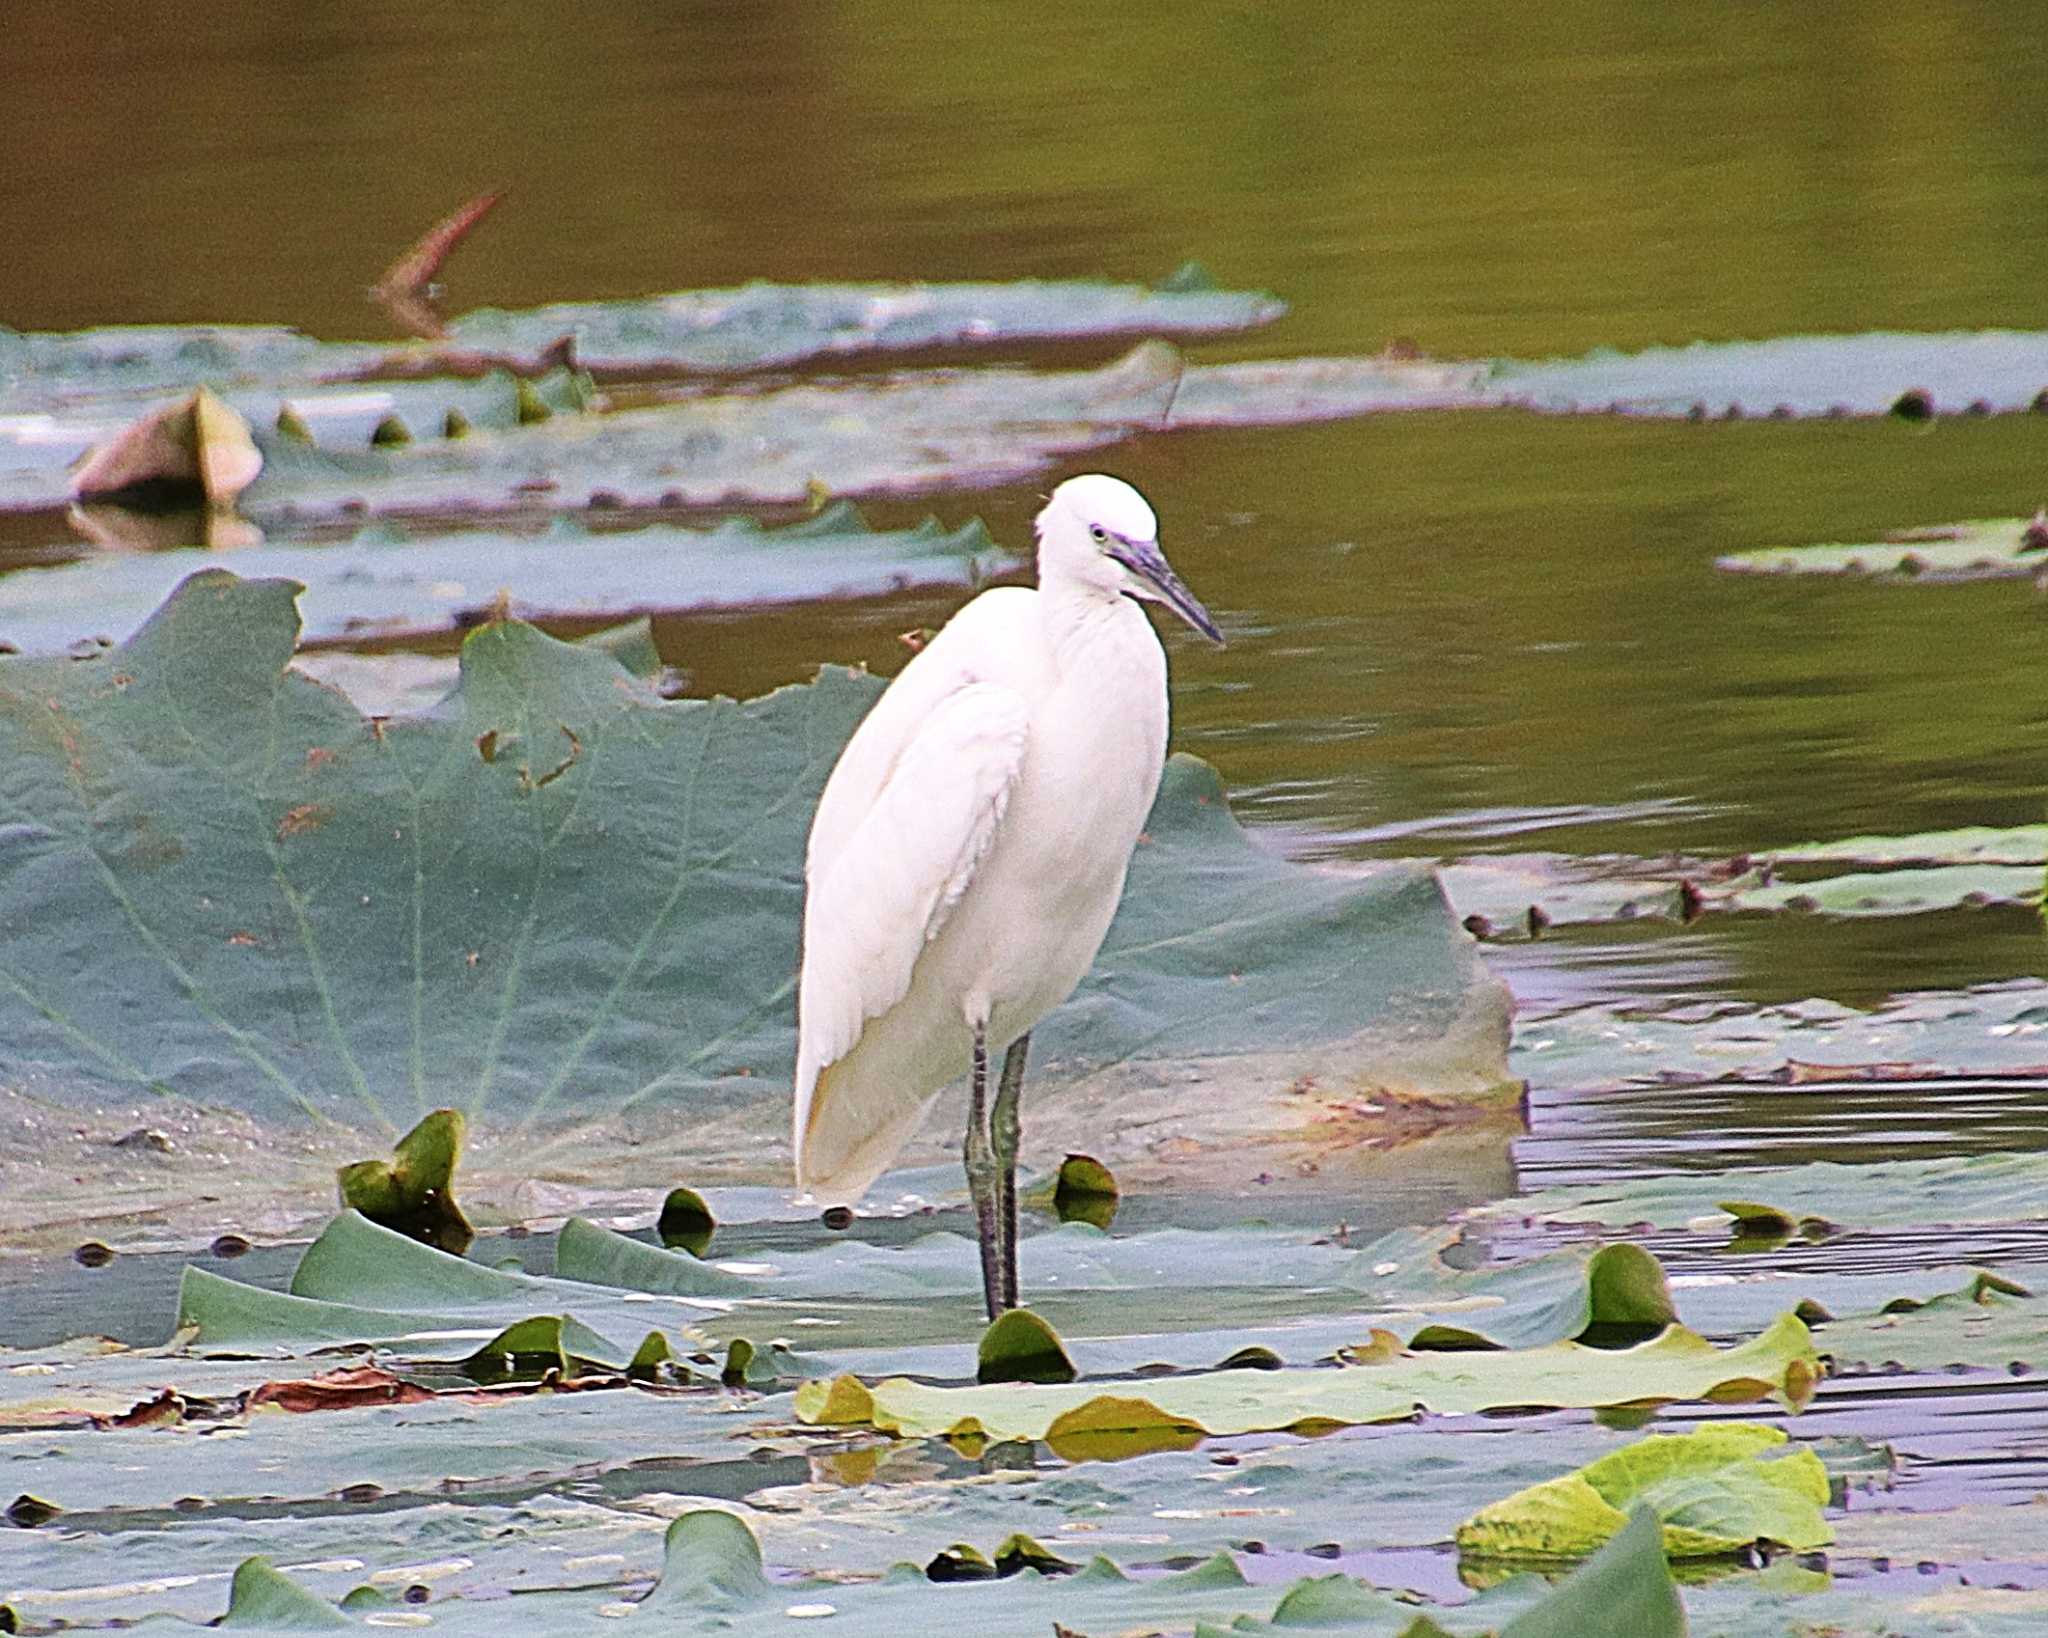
1003 1123
982 1182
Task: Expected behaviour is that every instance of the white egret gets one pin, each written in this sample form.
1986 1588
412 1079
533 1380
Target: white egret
969 850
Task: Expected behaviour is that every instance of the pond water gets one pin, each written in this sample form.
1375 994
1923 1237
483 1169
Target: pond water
1451 633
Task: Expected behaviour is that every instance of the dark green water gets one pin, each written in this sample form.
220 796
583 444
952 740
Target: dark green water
1454 632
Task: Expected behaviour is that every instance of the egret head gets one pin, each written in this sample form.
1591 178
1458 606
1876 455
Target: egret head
1100 531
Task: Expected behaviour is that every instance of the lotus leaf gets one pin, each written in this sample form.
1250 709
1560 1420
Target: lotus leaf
1712 1490
752 327
1679 1364
568 908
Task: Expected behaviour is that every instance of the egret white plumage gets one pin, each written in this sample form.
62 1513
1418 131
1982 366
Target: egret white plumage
969 850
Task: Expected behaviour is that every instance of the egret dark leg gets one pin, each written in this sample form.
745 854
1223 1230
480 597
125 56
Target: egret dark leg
1003 1123
980 1159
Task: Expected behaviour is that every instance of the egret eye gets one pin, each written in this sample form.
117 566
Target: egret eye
1097 533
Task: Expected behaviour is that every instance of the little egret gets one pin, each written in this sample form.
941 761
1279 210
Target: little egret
969 850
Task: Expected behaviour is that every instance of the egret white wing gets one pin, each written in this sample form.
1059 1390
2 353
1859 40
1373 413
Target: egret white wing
957 656
877 899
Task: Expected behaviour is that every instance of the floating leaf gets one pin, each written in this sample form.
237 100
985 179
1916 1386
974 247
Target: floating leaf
1863 374
1713 1491
755 326
1947 1190
1677 1365
1501 896
1970 844
382 584
912 1308
859 436
1983 549
1992 1029
1991 1321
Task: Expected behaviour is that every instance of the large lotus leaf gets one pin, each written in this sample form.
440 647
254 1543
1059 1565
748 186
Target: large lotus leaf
1713 1490
1947 1191
879 434
1991 1029
1982 549
1801 375
383 584
749 327
569 908
761 324
1676 1365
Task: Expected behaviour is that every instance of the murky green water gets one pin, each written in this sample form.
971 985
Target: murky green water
1452 632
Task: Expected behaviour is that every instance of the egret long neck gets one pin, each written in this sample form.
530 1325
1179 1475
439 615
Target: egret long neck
1086 624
